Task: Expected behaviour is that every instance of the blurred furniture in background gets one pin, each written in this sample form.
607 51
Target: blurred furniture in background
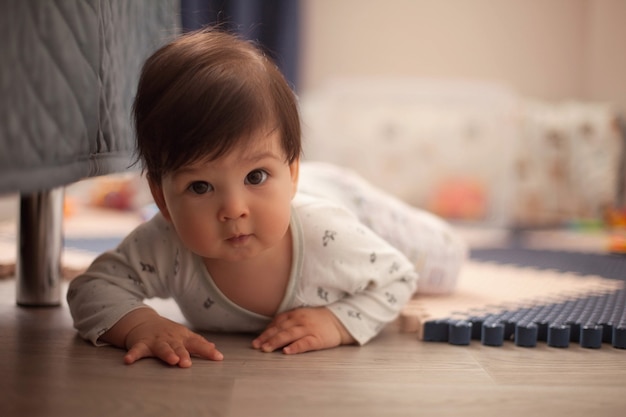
472 151
69 72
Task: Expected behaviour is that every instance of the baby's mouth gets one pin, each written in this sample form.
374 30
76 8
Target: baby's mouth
238 239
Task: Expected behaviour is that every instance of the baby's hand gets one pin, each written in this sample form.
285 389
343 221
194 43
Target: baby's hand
302 330
146 334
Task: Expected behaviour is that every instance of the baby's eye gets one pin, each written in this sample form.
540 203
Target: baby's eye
256 177
199 187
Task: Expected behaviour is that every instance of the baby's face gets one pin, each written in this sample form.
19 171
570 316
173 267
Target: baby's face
235 207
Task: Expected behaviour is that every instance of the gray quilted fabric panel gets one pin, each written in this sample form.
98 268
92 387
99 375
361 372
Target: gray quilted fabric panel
68 72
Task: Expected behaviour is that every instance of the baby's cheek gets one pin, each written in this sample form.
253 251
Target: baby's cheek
277 224
194 233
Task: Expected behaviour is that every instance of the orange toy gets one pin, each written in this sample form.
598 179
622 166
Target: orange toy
460 199
617 243
114 193
616 222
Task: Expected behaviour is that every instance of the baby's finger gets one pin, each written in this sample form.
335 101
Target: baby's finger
263 337
184 359
282 338
270 331
304 344
166 353
136 352
199 346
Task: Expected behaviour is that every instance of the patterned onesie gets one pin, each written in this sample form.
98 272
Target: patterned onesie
338 261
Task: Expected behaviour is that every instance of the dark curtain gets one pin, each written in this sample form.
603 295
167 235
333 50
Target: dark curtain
271 23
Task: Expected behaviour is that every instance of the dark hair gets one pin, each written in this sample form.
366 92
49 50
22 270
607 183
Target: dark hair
205 93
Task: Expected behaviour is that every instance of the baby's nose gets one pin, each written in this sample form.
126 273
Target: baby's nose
233 207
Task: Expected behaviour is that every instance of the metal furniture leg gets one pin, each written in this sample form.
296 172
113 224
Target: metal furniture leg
40 244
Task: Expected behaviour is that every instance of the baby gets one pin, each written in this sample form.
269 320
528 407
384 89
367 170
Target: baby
239 242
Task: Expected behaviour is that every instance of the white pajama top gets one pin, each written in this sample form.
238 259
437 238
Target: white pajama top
337 262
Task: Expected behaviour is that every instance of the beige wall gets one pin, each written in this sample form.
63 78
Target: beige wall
605 62
549 49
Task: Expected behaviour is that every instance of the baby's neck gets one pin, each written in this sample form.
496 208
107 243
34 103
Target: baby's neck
257 284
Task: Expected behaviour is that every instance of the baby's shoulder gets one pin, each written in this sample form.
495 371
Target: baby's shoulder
151 235
322 217
309 208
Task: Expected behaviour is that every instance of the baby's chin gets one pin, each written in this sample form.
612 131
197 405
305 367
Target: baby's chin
230 256
251 248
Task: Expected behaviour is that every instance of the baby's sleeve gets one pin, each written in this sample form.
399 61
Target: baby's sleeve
118 280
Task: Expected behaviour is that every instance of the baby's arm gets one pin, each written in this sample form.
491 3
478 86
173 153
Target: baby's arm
107 306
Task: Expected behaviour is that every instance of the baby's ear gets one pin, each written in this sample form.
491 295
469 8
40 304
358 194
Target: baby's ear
294 168
157 194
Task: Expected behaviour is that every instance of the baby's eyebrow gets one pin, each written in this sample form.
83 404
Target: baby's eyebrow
252 158
261 156
184 171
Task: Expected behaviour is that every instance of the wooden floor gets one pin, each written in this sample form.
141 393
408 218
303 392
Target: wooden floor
46 370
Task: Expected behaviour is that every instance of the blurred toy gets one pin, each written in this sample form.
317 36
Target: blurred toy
617 244
114 192
615 217
585 225
459 199
70 206
615 220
